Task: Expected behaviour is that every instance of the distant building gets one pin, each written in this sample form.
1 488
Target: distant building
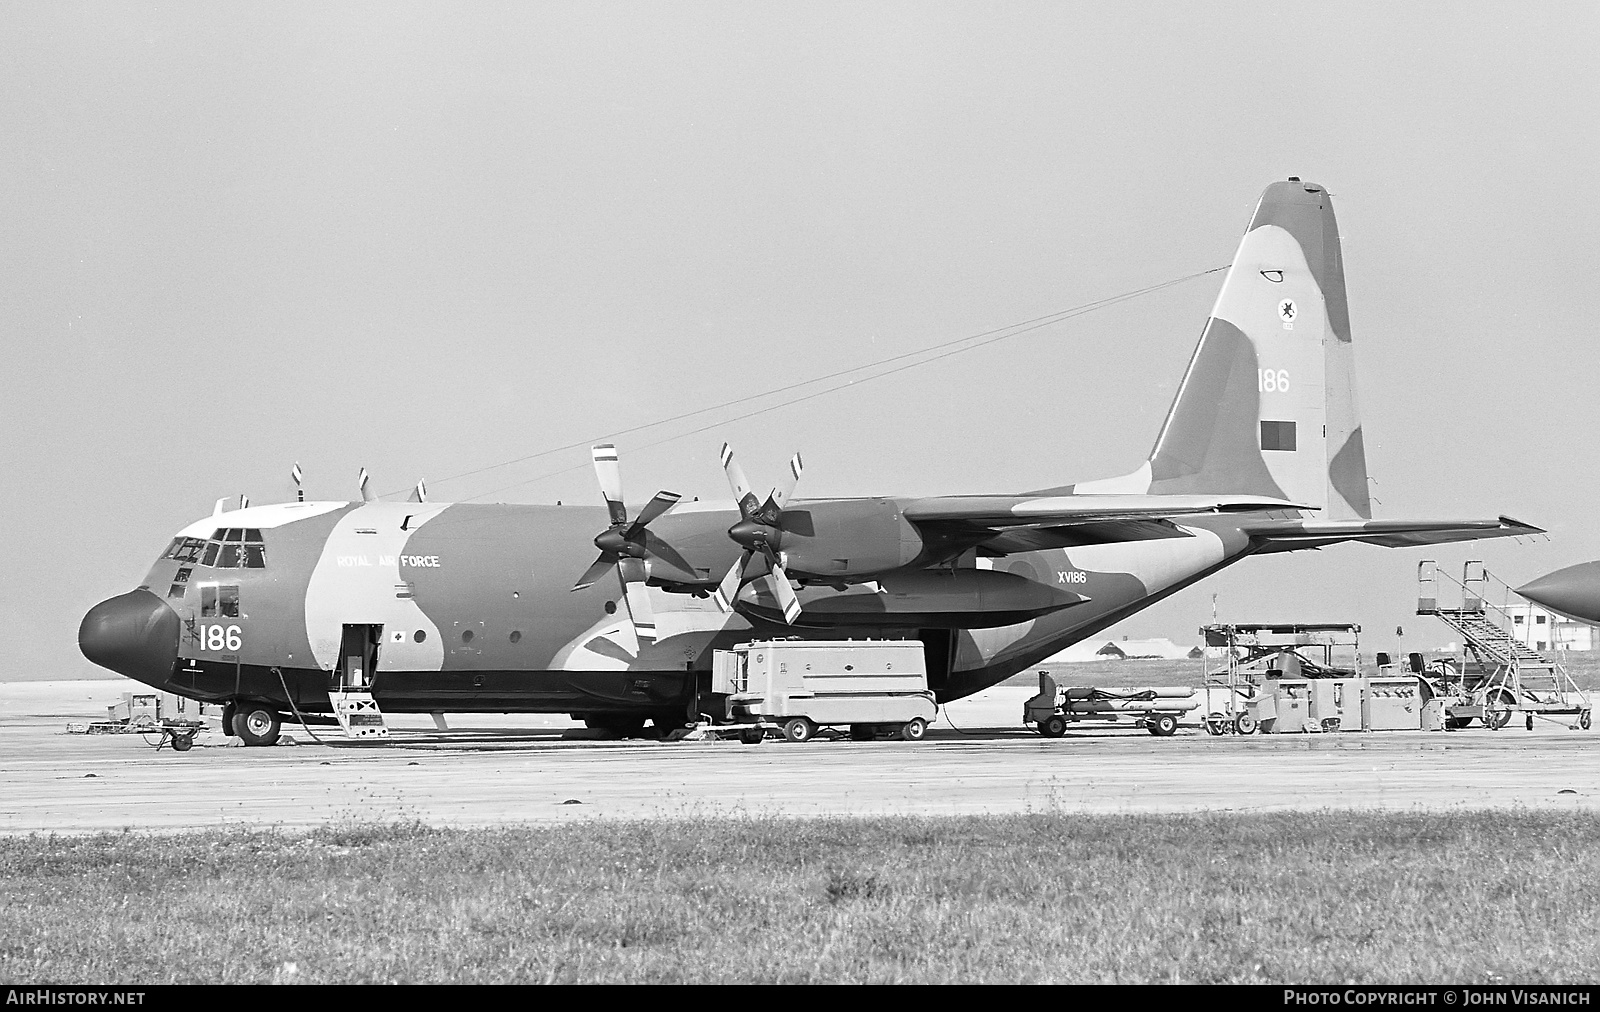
1130 649
1544 630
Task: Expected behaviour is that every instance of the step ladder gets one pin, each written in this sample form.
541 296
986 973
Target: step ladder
1501 673
359 715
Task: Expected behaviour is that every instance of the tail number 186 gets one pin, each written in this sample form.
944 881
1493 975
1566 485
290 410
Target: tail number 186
1272 381
216 637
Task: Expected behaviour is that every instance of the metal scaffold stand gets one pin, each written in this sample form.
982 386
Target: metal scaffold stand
1497 675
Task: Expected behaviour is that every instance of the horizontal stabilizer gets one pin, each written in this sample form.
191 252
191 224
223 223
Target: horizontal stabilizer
1289 535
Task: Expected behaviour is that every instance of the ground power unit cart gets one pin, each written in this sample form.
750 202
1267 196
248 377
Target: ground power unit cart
877 688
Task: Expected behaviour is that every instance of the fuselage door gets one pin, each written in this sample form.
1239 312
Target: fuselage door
358 658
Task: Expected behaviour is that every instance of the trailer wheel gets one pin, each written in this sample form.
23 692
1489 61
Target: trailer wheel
1583 720
799 729
257 725
914 730
1053 726
862 732
752 736
1244 724
1497 710
1163 724
182 742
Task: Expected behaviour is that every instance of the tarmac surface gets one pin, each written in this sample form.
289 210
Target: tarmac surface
520 768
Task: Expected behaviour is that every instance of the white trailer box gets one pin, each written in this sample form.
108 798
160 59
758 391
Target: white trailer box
802 684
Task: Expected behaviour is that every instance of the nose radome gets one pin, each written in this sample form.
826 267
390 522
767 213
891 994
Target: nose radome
134 634
1574 591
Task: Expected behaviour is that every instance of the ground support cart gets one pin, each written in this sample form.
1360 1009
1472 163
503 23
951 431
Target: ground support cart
1157 710
876 688
1283 677
180 734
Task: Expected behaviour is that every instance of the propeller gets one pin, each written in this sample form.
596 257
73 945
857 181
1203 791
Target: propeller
622 545
759 534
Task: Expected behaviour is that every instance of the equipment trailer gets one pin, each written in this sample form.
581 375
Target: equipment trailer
1157 710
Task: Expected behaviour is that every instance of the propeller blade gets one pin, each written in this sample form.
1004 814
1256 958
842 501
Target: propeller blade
420 492
777 583
609 472
728 589
662 502
782 494
594 572
366 493
742 493
631 573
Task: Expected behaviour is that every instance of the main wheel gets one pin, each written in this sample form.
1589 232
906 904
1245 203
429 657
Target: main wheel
914 729
1163 724
1053 726
228 710
799 729
1244 724
257 725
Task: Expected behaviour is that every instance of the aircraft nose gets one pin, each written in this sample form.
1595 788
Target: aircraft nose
1574 591
134 634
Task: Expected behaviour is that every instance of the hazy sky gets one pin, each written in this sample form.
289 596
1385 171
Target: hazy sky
428 239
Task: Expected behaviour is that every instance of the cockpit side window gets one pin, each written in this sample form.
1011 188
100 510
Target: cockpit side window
180 582
219 601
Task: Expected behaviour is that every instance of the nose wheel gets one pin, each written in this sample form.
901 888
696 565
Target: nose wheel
256 724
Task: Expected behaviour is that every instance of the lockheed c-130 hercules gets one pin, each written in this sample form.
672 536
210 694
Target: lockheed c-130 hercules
439 607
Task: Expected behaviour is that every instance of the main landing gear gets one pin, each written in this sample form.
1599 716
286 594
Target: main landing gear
255 723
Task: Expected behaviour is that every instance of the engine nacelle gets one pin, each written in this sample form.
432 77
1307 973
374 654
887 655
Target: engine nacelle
846 538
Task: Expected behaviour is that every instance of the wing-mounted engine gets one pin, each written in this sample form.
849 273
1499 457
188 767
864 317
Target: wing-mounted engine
833 542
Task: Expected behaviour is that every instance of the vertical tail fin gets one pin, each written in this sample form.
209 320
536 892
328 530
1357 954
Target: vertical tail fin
1268 404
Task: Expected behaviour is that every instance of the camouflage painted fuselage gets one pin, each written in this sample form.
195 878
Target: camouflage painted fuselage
476 615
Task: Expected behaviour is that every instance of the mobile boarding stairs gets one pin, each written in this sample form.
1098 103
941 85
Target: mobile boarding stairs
1498 674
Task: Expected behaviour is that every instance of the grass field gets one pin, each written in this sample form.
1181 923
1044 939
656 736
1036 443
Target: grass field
1325 897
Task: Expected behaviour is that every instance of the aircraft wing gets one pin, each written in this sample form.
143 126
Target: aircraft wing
1006 512
1291 535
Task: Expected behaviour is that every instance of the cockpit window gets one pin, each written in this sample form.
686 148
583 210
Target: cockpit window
228 548
185 549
